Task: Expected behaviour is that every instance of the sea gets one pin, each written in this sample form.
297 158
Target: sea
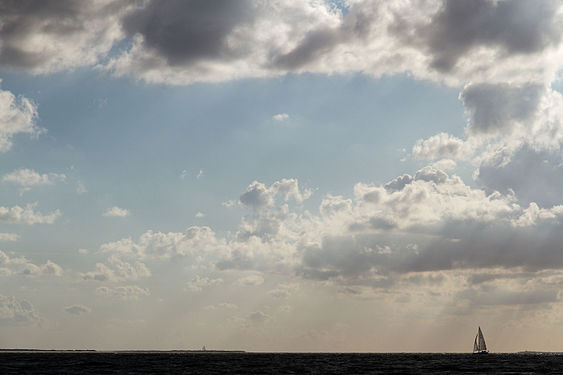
275 363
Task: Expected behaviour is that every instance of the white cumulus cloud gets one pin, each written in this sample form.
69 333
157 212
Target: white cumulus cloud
17 116
28 178
9 237
198 284
116 269
125 292
26 215
14 311
280 117
116 212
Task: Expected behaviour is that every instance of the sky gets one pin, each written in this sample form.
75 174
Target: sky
284 175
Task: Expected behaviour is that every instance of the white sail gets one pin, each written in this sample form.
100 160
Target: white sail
482 345
479 345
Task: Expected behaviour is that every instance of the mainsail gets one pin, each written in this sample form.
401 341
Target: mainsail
479 345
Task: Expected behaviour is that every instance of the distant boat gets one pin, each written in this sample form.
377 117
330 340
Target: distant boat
479 346
203 349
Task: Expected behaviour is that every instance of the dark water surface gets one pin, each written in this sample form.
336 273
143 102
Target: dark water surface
275 363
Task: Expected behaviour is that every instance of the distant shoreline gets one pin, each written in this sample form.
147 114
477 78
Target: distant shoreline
148 351
116 351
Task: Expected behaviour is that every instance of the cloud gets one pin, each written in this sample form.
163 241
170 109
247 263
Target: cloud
227 305
496 107
430 222
185 174
251 280
445 165
222 305
17 116
514 136
17 312
495 296
81 188
534 176
22 266
198 284
26 215
460 27
427 222
283 290
216 42
116 212
28 178
116 270
185 32
229 204
185 42
429 231
49 268
57 34
449 40
268 218
439 146
514 132
258 317
9 237
195 241
258 195
127 292
77 309
280 117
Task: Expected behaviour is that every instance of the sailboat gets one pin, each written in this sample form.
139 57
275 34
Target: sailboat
479 346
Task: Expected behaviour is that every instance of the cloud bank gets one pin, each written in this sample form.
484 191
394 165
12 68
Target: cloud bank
179 42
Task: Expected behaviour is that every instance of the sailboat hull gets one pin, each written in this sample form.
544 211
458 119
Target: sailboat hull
481 352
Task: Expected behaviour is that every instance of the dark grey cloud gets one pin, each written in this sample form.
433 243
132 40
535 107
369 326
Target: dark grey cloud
186 31
77 309
63 27
180 42
534 175
339 256
22 18
467 244
256 196
471 244
311 47
496 107
516 27
356 26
